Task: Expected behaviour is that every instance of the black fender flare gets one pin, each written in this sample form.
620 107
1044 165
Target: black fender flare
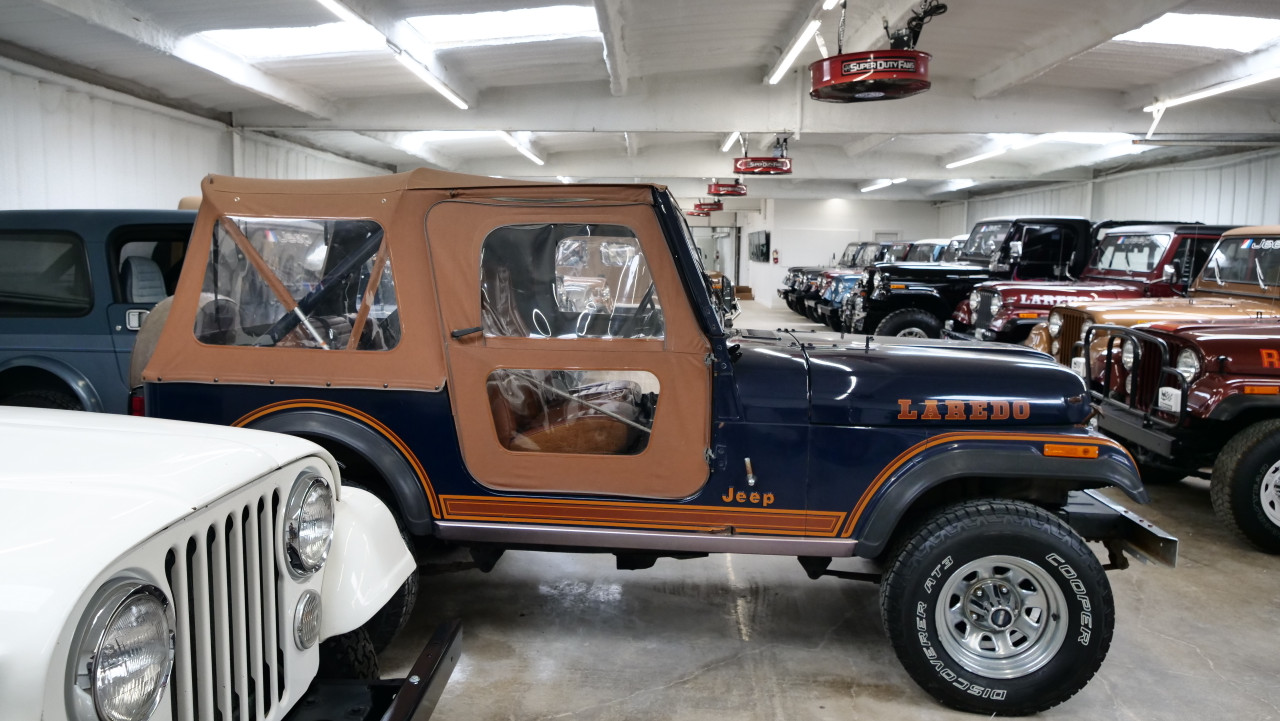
1236 405
874 528
68 374
411 500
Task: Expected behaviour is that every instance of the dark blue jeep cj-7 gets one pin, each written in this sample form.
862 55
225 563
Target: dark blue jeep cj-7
543 366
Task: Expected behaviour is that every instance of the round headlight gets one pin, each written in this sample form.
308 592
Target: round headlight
1055 325
1055 346
1085 328
975 299
1188 364
1128 351
308 524
995 304
125 654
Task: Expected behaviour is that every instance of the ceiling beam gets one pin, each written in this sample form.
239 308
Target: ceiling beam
812 163
1056 45
632 143
609 17
1203 78
120 19
725 101
870 141
405 37
869 19
421 150
797 35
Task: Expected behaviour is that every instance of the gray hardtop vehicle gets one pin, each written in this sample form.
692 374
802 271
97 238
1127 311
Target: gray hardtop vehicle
74 288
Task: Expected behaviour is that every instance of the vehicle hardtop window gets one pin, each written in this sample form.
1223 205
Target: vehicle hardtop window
335 271
148 261
1043 243
567 280
1245 260
899 251
45 275
868 254
602 412
1130 253
985 239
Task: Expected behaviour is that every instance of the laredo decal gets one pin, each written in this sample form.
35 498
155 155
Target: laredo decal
961 410
1270 358
874 65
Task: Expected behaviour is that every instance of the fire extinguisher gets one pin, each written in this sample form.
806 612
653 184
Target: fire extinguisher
775 257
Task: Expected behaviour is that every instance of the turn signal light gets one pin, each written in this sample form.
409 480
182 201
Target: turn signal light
1059 450
1262 390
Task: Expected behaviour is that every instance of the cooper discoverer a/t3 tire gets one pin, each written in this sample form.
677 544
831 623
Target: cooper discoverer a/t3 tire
997 607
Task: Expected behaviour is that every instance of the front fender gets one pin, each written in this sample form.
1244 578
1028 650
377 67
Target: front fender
990 458
367 562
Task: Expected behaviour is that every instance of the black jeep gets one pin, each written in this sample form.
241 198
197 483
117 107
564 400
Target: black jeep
913 299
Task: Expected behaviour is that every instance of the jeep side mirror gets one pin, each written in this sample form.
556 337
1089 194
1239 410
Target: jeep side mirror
1168 273
1015 250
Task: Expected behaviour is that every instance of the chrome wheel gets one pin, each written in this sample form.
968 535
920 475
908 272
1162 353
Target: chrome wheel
912 333
1269 493
1001 616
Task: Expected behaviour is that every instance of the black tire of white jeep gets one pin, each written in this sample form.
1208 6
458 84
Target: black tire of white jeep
44 399
1245 487
348 656
998 607
910 323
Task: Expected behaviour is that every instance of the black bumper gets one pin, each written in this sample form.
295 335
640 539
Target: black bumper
1097 518
1134 428
413 697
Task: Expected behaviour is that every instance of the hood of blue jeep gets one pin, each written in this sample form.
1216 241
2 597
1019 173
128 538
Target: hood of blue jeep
856 380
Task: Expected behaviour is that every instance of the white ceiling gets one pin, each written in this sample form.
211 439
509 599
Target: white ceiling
655 97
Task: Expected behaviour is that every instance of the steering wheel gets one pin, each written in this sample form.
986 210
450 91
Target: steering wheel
642 320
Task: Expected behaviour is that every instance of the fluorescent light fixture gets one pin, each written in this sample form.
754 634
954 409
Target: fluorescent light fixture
978 157
961 183
729 141
828 4
1224 32
509 26
899 180
564 179
881 183
1238 83
429 78
794 52
524 149
254 44
344 13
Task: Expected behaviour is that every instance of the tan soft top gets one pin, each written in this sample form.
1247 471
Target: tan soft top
1253 230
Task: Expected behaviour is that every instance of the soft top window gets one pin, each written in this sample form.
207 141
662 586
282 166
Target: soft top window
299 283
1130 253
1245 260
567 280
986 239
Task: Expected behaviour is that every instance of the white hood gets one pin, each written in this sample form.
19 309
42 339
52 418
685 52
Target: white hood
79 490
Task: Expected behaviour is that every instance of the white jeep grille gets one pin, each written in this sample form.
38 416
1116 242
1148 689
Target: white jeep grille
229 662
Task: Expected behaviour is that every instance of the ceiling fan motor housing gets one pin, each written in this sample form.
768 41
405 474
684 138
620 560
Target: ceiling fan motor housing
870 75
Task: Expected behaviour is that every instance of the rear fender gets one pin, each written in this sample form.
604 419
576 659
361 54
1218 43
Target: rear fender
73 378
328 428
1009 464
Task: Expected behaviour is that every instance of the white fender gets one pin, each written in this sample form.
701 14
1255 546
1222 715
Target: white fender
367 562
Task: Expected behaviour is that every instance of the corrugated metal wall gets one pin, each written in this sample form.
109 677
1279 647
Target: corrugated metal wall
67 144
1243 191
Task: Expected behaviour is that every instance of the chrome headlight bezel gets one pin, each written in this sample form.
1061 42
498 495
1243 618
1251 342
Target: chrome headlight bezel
996 304
1188 364
975 298
87 689
1055 324
307 556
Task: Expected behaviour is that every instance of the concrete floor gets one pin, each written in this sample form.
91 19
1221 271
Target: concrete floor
562 636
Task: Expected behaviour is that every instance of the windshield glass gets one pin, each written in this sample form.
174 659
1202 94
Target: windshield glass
1130 253
925 253
1244 260
850 251
866 255
985 239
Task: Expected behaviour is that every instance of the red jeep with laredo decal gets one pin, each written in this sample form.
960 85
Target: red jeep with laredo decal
541 366
1186 395
1135 261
